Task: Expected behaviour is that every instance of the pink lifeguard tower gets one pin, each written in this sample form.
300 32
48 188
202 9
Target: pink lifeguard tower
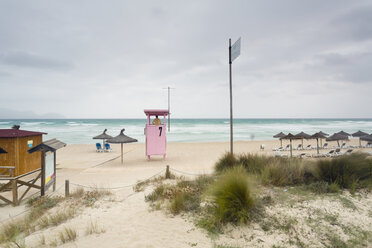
156 139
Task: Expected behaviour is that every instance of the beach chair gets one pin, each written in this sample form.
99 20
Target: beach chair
331 153
262 147
278 149
99 147
337 152
302 155
287 148
308 147
348 152
369 144
108 147
278 154
343 145
299 147
325 146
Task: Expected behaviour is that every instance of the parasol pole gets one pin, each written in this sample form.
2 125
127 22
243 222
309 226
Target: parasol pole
317 145
121 153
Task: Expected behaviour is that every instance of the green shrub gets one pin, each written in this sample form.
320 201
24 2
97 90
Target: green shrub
227 161
345 170
231 196
319 187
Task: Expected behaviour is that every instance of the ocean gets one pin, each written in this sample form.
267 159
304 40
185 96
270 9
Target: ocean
81 131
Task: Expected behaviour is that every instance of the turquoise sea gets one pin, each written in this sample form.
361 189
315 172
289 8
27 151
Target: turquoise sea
81 131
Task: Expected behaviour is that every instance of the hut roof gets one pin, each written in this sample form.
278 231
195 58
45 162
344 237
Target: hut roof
318 135
303 135
103 135
279 135
49 145
15 133
337 136
359 134
156 111
121 138
2 150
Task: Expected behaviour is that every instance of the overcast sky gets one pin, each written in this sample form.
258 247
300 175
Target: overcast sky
112 59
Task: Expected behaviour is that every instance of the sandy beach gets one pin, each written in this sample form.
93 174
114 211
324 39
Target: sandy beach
126 217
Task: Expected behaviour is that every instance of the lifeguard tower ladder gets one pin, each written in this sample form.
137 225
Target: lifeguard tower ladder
156 139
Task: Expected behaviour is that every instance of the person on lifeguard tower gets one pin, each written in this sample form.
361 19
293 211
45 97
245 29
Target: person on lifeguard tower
156 121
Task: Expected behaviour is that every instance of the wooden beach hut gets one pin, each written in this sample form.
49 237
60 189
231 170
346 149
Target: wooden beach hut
16 142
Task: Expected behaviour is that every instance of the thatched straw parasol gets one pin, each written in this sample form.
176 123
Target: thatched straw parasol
367 138
279 135
290 137
359 134
2 150
318 136
344 133
337 137
121 139
103 136
303 136
322 133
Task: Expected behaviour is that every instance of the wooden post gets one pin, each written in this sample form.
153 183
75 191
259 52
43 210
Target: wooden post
55 172
42 190
167 173
15 192
67 188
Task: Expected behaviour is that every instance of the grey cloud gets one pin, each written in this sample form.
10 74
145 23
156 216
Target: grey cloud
355 23
25 59
124 52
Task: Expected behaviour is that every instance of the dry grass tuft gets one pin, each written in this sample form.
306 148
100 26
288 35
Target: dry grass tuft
94 228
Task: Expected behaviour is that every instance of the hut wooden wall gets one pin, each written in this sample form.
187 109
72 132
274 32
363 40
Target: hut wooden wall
8 159
18 156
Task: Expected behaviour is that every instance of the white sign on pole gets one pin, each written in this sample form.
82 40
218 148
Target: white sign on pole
235 50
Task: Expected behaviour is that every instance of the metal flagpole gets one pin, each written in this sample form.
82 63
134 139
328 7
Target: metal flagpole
169 113
231 108
169 109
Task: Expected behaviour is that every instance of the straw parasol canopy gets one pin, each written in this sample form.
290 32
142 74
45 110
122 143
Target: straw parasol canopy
323 133
303 136
2 150
318 136
359 134
344 133
103 136
367 138
337 137
279 135
121 139
290 137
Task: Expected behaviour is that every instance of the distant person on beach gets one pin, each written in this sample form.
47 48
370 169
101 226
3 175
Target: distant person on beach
156 121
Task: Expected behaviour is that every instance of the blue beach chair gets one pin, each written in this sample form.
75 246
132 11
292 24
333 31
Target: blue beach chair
108 147
99 147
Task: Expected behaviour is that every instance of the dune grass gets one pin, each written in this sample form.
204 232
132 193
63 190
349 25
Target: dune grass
231 196
349 171
39 216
